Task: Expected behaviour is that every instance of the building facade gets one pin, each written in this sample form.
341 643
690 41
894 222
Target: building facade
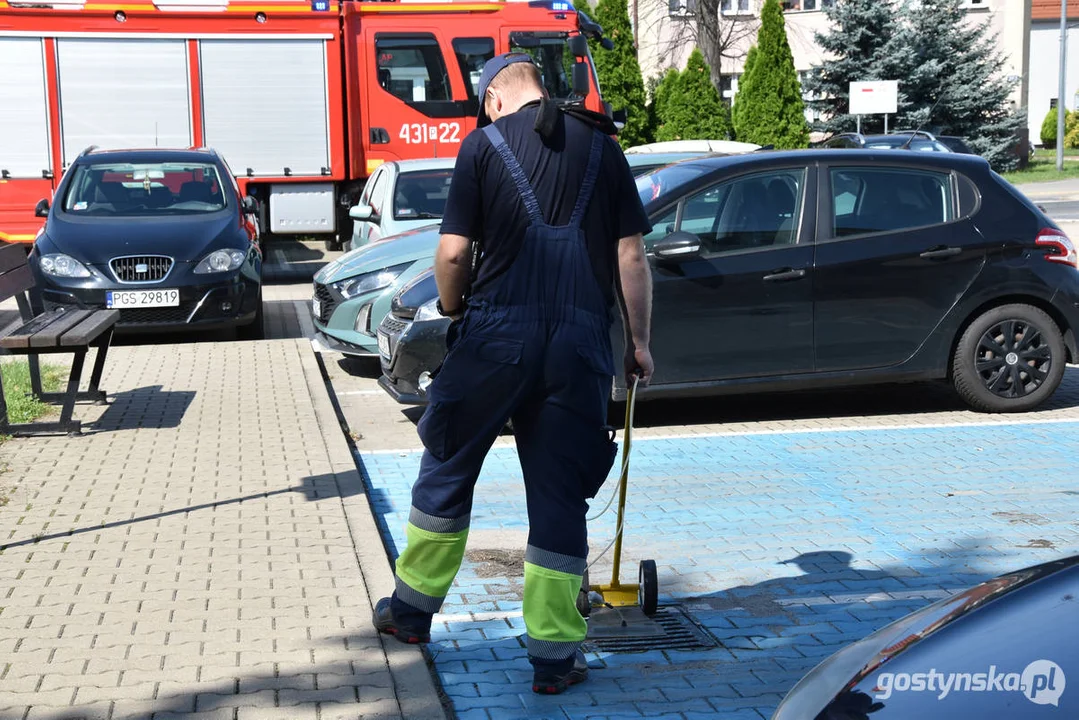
665 33
1045 61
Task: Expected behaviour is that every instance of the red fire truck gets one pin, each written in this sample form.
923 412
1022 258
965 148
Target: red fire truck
303 99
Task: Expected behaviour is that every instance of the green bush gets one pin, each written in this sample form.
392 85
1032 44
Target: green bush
690 107
1049 129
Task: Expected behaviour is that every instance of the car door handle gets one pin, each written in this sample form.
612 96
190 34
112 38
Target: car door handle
785 274
941 252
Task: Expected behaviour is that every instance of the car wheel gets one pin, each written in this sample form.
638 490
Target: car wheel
256 330
333 243
1010 359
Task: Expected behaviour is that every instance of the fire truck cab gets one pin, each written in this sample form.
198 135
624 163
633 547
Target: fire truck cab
303 99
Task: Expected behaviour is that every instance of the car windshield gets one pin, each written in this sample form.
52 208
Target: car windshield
421 195
141 189
662 181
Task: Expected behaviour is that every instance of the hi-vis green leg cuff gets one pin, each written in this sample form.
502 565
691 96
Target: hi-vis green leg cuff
425 570
555 628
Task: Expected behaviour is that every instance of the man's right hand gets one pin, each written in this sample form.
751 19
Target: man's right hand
638 361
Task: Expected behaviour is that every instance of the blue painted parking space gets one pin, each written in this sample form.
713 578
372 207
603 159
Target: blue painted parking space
783 546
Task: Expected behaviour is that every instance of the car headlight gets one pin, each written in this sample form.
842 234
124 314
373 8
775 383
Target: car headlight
428 311
221 261
60 265
369 282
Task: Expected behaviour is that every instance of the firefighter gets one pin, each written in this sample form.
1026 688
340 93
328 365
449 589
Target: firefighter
552 205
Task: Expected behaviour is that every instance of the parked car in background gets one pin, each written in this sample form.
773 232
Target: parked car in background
829 268
400 196
353 292
952 142
995 651
642 163
727 147
162 235
921 142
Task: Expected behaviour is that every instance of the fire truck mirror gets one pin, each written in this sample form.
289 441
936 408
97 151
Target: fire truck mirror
42 209
581 76
578 45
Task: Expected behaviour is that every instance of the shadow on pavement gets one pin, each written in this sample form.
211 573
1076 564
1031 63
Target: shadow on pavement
365 367
145 407
316 487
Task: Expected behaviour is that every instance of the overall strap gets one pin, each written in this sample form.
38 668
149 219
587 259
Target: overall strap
595 158
528 197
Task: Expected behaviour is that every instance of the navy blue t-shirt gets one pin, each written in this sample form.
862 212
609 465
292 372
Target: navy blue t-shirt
484 204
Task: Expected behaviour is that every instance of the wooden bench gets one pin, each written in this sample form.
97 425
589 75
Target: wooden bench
63 330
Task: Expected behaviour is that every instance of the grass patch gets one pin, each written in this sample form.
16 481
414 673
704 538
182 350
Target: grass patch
1043 170
22 406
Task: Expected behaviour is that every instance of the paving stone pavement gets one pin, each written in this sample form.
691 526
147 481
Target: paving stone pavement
204 550
784 545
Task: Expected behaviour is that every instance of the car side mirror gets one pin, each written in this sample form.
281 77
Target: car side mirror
678 247
250 204
42 208
361 212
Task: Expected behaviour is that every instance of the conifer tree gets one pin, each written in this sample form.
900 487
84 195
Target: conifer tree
736 110
620 73
689 106
772 111
861 45
958 63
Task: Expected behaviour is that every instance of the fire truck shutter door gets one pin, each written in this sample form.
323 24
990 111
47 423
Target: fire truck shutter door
24 140
117 93
264 104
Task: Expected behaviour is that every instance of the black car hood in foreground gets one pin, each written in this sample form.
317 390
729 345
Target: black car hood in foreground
185 238
1003 649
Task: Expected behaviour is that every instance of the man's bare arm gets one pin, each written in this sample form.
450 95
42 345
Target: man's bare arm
635 299
453 261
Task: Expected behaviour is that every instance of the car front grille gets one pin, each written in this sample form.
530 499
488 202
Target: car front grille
392 326
327 303
141 268
153 316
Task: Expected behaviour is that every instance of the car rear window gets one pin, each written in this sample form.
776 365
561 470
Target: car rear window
875 200
142 189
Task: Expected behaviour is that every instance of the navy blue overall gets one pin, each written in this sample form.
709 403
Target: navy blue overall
533 347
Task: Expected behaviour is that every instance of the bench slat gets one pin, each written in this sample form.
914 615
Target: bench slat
20 337
16 281
11 257
90 328
50 336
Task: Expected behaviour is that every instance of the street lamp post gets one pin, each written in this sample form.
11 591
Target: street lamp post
1061 104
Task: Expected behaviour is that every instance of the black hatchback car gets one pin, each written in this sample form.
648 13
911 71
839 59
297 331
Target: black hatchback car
162 235
829 268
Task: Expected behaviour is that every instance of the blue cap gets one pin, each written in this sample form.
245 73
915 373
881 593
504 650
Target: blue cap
491 68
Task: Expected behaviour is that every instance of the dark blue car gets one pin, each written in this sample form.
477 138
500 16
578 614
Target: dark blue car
162 235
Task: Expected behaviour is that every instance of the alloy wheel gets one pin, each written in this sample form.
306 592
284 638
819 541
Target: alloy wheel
1013 358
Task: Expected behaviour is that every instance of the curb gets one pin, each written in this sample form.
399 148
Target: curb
415 688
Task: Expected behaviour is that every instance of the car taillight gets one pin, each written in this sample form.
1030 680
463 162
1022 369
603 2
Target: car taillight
1059 246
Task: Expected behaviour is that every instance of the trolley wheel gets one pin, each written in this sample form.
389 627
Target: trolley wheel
584 607
648 587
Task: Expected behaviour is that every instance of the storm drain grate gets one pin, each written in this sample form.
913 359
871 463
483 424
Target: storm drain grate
674 631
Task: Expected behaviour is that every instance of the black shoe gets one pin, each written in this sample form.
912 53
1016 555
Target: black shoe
384 623
546 682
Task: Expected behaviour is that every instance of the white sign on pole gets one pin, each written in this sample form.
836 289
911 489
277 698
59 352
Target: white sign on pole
874 98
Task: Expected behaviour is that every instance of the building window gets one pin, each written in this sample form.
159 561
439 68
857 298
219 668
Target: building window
974 4
681 8
732 7
805 5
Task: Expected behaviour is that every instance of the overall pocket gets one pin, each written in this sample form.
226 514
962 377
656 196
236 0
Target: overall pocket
601 461
437 428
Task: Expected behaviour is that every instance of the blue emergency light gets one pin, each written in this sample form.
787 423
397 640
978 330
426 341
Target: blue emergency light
553 5
320 5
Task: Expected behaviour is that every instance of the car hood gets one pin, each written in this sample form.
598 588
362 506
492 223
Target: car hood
183 238
389 251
